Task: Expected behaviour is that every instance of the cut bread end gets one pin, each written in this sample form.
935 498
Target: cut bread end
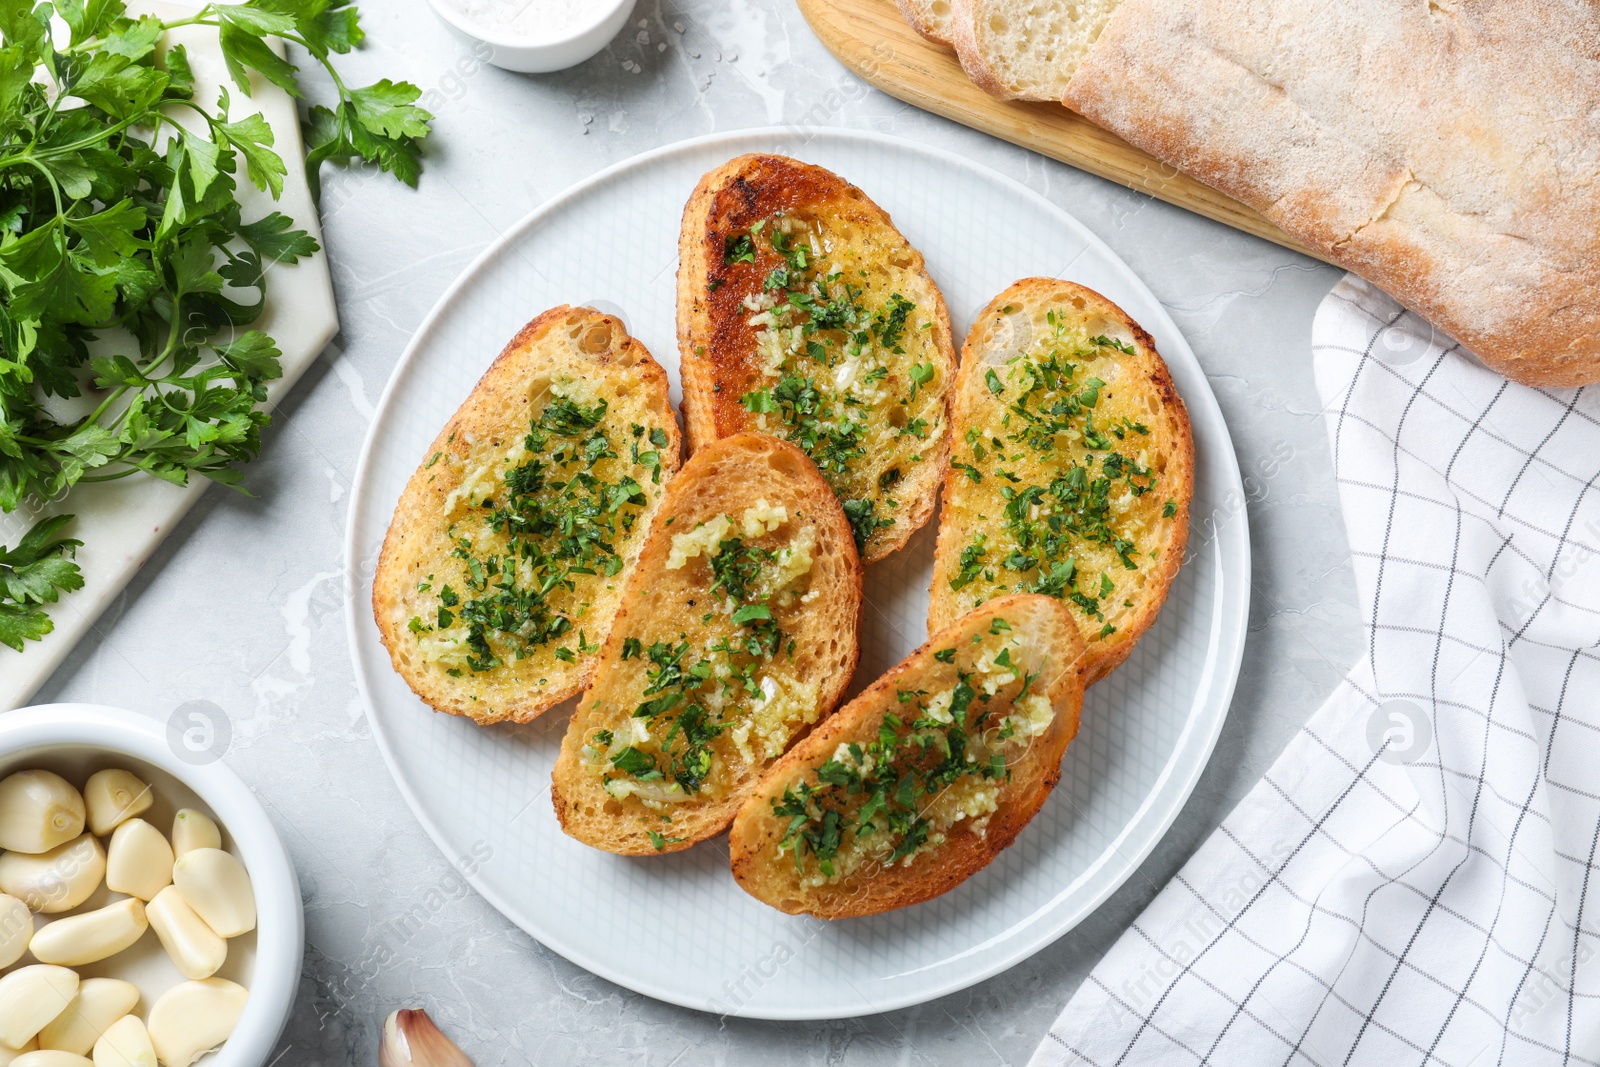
930 18
1026 49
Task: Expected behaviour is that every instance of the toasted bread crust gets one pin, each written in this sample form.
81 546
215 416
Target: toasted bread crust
921 16
769 874
718 344
498 411
659 603
1171 441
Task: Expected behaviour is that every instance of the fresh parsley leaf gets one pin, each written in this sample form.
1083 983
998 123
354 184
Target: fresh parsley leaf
921 374
738 248
36 572
751 613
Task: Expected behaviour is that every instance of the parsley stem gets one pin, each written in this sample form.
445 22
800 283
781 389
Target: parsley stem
54 188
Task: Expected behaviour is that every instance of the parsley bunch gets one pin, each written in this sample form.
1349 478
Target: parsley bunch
128 273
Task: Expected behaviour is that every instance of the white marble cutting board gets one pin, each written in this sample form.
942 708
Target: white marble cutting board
122 522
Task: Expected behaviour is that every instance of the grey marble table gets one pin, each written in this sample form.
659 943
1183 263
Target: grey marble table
243 606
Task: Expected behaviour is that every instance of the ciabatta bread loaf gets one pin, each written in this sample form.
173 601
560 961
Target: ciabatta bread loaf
504 563
737 632
1448 152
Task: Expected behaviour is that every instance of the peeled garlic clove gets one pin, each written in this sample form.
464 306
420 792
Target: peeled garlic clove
126 1043
193 1018
99 1003
192 830
217 887
411 1040
94 935
16 930
8 1056
30 997
51 1058
38 811
58 880
194 947
139 861
112 798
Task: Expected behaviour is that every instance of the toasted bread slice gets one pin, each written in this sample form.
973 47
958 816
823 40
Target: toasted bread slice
1072 467
919 782
557 459
737 632
803 313
931 18
1026 49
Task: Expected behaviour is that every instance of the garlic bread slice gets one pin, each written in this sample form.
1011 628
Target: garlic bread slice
916 784
504 563
804 313
737 632
1072 467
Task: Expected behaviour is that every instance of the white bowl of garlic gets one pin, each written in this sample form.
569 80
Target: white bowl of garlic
148 910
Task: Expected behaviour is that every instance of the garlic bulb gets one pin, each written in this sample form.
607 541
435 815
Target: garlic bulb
411 1040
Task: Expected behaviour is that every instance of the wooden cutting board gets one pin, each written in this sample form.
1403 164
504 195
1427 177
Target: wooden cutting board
870 38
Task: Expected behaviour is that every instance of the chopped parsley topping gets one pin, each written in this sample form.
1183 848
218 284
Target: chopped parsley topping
878 794
740 249
678 710
828 384
555 519
921 374
1051 525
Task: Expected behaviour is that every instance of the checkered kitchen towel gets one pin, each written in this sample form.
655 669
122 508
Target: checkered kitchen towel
1415 880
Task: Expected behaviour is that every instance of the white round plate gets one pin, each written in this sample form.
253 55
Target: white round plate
677 927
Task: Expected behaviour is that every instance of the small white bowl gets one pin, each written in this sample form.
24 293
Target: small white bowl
74 741
540 55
